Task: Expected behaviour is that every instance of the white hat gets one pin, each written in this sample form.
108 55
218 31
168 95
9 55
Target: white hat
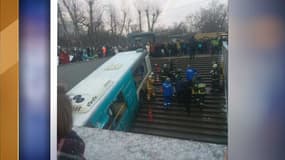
215 65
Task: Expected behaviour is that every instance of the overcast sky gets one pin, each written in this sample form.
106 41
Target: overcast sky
172 10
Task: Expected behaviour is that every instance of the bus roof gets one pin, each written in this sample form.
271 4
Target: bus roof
89 93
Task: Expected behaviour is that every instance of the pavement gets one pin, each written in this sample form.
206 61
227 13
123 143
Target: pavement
115 145
71 74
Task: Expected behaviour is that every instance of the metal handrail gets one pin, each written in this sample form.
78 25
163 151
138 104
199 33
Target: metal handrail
225 54
123 106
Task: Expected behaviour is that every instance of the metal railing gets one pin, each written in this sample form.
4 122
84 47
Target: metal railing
225 54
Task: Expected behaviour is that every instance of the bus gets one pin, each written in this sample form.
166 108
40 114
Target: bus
108 98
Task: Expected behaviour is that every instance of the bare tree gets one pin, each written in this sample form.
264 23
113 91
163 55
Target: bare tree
213 19
113 19
147 18
118 19
139 8
155 16
76 14
128 25
178 28
191 23
140 19
152 12
124 19
91 19
62 21
95 16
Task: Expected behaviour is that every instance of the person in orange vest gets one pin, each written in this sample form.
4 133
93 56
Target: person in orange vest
156 72
104 51
149 87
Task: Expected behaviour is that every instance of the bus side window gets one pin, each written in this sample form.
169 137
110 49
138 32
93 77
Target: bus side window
115 111
140 73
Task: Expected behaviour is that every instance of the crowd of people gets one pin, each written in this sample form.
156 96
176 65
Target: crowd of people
183 48
188 90
71 55
190 48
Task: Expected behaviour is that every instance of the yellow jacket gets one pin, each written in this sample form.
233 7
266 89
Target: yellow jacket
149 83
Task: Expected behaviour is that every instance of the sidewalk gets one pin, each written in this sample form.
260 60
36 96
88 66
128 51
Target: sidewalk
114 145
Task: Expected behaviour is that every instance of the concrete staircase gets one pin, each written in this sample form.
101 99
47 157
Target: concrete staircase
206 123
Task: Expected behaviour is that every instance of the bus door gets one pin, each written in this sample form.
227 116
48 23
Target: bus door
117 113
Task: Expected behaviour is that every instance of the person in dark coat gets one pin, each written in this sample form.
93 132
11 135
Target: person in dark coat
172 70
164 72
178 74
78 56
69 144
192 45
179 88
187 96
157 72
88 51
215 77
184 48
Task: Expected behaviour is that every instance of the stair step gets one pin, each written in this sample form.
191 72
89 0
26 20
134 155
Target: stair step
182 124
174 134
211 97
182 129
170 112
188 118
160 103
159 97
182 108
206 123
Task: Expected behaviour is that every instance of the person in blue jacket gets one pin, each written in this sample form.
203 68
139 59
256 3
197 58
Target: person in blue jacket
190 73
167 92
84 55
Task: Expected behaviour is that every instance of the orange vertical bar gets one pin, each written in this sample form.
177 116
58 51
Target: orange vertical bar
9 85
